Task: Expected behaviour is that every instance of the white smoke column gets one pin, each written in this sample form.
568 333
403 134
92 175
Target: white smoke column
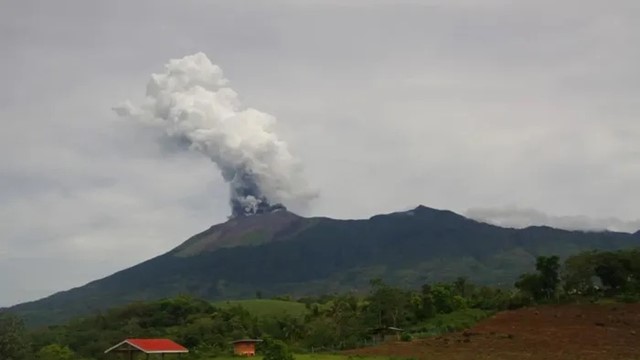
190 101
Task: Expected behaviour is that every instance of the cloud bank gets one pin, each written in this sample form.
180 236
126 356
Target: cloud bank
517 217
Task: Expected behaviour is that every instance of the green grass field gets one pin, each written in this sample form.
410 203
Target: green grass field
445 323
267 307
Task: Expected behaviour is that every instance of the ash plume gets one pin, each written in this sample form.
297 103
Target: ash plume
190 101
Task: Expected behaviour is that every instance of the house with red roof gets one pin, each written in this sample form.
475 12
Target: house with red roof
148 347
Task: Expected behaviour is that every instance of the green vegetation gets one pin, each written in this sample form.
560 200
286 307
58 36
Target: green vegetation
327 323
55 352
592 275
262 308
13 339
282 253
317 356
330 322
542 285
445 323
276 350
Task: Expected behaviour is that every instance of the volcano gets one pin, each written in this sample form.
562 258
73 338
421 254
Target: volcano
278 252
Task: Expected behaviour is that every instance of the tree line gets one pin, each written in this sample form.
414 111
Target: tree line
331 321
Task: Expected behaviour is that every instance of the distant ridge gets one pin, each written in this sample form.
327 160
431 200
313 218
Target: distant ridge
280 252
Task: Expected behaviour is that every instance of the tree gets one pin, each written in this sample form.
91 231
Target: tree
578 274
442 295
422 304
549 269
531 285
460 286
544 284
55 352
387 305
276 350
13 343
613 271
618 272
322 333
345 313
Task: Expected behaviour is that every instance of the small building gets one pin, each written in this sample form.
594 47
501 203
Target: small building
158 347
245 347
386 333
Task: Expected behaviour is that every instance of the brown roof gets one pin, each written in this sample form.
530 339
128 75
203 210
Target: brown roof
246 341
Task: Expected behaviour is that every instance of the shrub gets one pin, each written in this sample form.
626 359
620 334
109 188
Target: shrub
406 337
276 350
629 298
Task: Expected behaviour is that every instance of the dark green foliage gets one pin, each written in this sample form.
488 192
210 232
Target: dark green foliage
614 270
267 308
340 322
578 275
444 323
424 306
191 322
275 350
330 322
548 267
603 273
543 285
310 256
531 285
55 352
387 306
591 274
13 339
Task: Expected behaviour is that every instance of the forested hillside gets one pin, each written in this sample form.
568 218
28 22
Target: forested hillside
282 253
334 321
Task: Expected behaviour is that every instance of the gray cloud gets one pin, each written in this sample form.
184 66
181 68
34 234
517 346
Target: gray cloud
516 217
452 104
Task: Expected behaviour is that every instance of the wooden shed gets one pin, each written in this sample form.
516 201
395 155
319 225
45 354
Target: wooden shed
386 333
156 347
245 347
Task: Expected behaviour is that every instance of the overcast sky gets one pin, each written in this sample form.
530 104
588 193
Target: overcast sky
516 112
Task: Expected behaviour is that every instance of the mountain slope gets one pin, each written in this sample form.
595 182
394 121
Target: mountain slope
283 253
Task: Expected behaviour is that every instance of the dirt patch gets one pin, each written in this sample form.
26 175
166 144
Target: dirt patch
582 332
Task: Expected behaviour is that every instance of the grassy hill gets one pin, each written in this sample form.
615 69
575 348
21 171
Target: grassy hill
262 308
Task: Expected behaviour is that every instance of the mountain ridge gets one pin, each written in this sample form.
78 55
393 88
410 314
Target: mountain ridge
282 252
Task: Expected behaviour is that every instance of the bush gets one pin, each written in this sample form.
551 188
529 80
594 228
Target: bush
276 350
629 298
406 337
55 352
520 300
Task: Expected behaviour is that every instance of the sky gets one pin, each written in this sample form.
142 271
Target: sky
512 112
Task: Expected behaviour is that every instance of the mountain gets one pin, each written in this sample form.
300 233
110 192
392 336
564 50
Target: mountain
280 252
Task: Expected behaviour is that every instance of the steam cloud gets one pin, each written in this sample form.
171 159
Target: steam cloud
190 101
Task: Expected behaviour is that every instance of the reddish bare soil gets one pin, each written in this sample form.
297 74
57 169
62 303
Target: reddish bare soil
582 332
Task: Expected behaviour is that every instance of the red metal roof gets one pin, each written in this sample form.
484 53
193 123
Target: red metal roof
153 346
